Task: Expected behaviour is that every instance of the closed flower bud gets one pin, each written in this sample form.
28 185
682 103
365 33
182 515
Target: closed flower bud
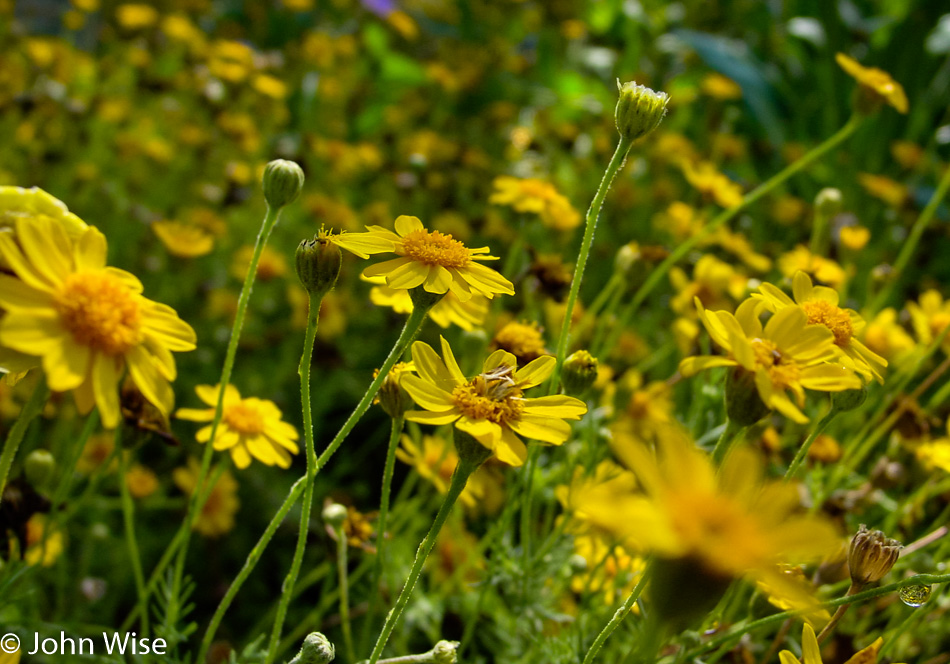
334 515
744 406
848 399
444 652
578 373
282 182
316 649
871 556
38 467
828 202
318 263
639 110
391 396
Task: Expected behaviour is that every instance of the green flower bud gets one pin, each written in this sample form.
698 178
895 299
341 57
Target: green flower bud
445 652
639 110
318 263
578 373
744 406
848 399
334 515
828 202
316 649
392 396
282 182
38 467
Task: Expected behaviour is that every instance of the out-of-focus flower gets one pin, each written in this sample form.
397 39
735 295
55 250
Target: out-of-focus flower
716 85
706 179
876 83
811 654
141 481
217 514
183 240
930 316
524 340
537 197
821 269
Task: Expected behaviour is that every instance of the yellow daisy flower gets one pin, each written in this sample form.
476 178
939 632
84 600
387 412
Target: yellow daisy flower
820 304
711 183
448 311
930 316
811 653
183 240
491 407
874 82
785 354
16 202
85 322
217 514
823 269
436 461
249 427
731 522
887 337
524 340
537 197
439 263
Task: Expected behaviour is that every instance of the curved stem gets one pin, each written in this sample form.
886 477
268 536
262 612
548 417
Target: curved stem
196 503
803 450
687 245
249 565
836 618
459 478
303 371
593 214
30 410
618 617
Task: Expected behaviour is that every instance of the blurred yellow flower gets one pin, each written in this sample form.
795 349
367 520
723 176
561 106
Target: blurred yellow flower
435 462
890 191
490 407
439 263
537 197
716 283
183 240
885 336
272 265
85 322
217 514
875 82
524 340
930 316
249 427
44 544
716 85
448 311
855 237
785 354
706 179
820 268
811 653
136 16
141 481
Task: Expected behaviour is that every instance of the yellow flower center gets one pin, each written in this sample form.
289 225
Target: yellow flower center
521 339
821 312
244 418
435 249
100 312
535 189
492 396
782 373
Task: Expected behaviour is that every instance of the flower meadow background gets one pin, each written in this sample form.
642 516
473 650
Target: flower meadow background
663 508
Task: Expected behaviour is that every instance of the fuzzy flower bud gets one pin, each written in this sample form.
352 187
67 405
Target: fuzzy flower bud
391 396
38 467
444 652
282 182
334 515
316 649
579 373
828 202
871 556
639 110
318 263
744 406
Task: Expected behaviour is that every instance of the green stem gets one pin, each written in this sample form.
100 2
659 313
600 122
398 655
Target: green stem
593 214
462 472
618 617
395 431
249 565
128 516
30 410
341 569
658 274
196 503
728 436
910 245
803 450
853 590
303 371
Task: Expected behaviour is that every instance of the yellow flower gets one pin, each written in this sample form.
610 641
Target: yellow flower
17 202
436 461
611 570
183 240
537 197
875 82
85 322
710 182
141 481
439 263
490 407
719 86
523 340
822 269
820 304
811 654
795 594
930 317
855 237
716 283
448 311
270 86
935 453
786 354
648 416
42 547
886 337
890 191
217 514
136 16
249 427
732 522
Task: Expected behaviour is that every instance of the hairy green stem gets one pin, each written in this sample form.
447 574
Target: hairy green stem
128 517
342 574
618 616
30 410
803 450
303 371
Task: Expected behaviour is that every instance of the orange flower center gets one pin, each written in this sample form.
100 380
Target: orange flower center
244 418
435 249
821 312
100 312
492 396
782 372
